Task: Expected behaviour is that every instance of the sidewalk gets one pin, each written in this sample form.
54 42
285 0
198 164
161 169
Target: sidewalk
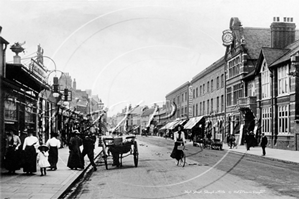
53 185
275 154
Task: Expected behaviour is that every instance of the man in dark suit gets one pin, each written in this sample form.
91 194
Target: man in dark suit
88 148
263 143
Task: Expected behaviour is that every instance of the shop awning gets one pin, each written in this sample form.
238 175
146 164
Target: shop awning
192 122
169 125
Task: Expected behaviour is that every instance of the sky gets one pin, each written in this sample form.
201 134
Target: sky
131 51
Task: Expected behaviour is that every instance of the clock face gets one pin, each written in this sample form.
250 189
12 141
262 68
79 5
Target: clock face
227 38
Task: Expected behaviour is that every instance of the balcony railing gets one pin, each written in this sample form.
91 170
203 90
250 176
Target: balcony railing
247 100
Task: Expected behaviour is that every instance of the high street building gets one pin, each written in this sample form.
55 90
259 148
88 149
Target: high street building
208 98
254 101
181 97
276 79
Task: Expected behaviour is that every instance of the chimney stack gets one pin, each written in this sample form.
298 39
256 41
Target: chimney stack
282 33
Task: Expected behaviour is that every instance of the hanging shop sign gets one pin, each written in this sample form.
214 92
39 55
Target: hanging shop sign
38 70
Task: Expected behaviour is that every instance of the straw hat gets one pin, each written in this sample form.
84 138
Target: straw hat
43 148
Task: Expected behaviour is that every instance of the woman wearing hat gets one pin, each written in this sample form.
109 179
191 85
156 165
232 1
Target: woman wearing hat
30 144
13 142
75 156
53 145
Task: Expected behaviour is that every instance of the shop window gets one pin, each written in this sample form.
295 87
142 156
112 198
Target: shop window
10 109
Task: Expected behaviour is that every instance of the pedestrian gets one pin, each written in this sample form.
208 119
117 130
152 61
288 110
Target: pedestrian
248 141
75 156
263 144
179 139
42 159
30 144
23 135
13 143
53 144
88 148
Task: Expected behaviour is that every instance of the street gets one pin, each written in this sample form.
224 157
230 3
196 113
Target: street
207 174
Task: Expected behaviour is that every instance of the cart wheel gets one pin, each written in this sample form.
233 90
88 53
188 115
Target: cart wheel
135 155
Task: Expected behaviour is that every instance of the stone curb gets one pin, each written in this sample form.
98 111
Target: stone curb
62 193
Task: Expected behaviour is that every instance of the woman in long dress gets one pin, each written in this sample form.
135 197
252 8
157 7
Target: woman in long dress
53 145
13 142
30 144
75 156
179 139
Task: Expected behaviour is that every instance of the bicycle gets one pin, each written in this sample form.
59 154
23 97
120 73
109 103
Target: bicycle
182 160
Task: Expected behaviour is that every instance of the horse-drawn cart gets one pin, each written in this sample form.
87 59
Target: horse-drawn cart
120 148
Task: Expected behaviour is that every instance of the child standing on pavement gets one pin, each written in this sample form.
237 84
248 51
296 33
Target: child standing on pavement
42 159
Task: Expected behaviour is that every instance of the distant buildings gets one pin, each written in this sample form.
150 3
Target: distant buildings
27 101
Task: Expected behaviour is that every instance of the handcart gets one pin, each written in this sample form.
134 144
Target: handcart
216 144
123 147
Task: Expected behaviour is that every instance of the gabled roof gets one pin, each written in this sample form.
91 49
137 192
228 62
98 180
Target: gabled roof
272 54
291 49
255 39
275 56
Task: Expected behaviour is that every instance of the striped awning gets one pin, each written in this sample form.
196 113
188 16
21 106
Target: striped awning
169 125
192 122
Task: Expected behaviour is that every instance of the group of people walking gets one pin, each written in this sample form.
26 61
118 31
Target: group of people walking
76 156
24 151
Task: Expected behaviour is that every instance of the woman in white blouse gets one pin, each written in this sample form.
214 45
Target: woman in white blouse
179 139
30 144
53 145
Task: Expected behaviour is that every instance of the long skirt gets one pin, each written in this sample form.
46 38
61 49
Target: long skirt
53 157
12 162
30 159
176 154
75 159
